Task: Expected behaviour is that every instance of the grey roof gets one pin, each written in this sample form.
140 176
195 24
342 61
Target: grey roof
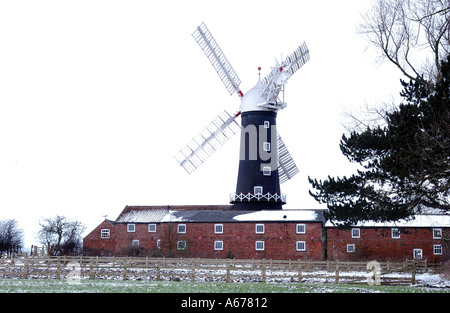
214 214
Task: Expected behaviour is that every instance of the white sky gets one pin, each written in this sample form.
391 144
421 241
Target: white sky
96 97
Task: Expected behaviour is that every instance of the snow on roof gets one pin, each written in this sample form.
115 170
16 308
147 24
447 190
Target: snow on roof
419 220
143 216
172 217
153 214
283 215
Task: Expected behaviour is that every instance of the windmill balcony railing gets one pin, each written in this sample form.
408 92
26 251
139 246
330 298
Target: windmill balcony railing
257 197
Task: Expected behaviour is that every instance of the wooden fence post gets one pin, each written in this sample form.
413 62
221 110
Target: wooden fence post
228 272
337 273
25 267
300 278
58 268
413 273
193 271
91 269
263 265
158 270
124 269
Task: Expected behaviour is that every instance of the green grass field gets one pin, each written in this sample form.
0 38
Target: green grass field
133 286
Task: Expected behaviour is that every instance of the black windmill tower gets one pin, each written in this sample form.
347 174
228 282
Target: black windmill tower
264 161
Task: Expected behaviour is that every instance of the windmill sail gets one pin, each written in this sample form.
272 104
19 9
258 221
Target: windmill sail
281 73
219 61
297 59
286 167
211 138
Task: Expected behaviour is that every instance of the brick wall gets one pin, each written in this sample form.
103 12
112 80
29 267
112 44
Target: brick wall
280 242
94 244
238 240
376 243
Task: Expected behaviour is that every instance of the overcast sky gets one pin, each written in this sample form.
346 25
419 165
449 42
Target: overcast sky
96 97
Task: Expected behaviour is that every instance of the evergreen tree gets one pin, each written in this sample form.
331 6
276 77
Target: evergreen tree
405 164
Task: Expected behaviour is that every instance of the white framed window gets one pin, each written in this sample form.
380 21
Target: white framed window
350 248
158 243
259 245
152 228
417 254
259 228
301 246
395 233
218 228
218 245
266 124
437 233
105 233
182 228
131 228
266 146
300 229
356 233
437 249
181 245
267 171
135 243
258 190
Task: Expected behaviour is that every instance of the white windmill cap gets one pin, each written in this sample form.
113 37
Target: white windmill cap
253 98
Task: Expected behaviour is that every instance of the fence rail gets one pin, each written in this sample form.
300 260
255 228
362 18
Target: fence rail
227 270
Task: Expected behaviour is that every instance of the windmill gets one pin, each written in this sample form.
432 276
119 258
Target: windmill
264 160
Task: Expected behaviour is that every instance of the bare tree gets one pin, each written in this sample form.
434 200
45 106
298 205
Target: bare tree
11 236
412 34
61 236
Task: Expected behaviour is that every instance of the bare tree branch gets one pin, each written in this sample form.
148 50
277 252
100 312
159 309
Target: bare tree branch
407 32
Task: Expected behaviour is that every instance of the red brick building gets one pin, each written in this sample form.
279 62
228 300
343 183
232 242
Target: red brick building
424 237
210 232
220 232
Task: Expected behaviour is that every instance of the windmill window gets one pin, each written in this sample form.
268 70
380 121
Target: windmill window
131 228
151 228
182 228
218 245
301 246
258 190
259 229
266 124
259 246
267 171
266 146
105 233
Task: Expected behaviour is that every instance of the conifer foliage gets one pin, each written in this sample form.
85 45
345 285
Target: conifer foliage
405 164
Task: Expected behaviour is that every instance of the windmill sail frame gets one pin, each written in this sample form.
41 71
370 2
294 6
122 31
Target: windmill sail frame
211 138
218 60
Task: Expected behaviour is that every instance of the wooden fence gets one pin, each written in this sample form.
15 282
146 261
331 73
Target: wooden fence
227 270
